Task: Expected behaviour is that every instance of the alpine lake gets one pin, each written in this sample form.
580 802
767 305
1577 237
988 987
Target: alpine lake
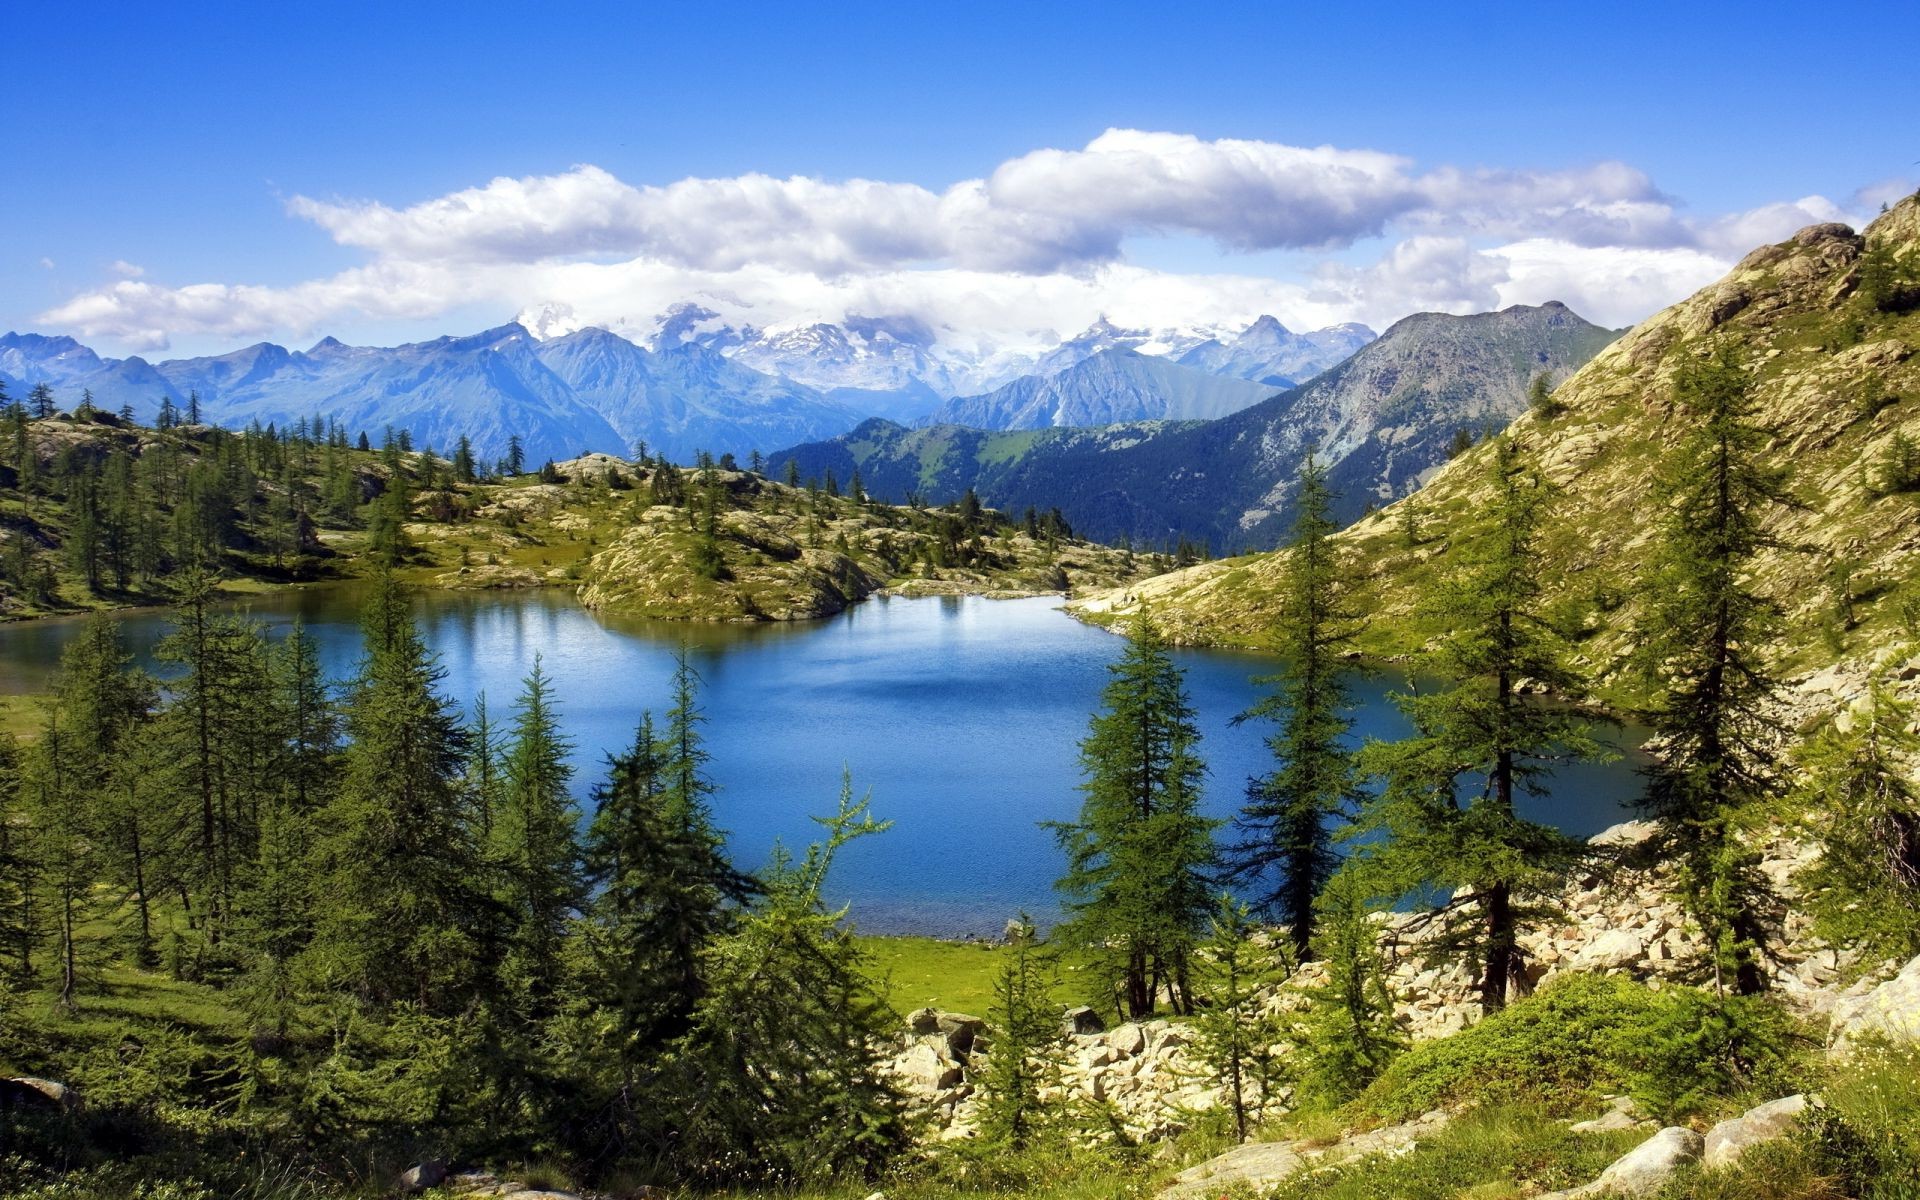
961 716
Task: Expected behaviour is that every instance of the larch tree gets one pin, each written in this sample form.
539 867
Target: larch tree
1716 707
1139 857
1284 853
1445 829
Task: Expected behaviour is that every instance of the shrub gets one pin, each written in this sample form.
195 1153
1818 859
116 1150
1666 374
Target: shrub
1676 1051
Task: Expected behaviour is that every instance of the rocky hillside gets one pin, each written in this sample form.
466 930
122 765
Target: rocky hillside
733 546
1828 321
1384 419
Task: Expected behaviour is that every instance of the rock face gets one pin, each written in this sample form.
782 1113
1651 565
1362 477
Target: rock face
1891 1010
1730 1139
1143 1069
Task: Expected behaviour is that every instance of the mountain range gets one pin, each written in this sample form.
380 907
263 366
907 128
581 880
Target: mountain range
695 384
1382 421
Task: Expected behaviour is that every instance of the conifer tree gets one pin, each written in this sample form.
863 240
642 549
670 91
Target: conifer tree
1347 1030
1857 796
1285 849
1716 708
700 889
1139 855
783 1073
1448 808
1027 1035
18 873
1235 1034
535 845
404 915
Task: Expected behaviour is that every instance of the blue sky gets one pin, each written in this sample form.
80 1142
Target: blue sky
156 149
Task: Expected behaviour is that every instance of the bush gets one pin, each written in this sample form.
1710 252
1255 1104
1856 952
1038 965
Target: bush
1676 1051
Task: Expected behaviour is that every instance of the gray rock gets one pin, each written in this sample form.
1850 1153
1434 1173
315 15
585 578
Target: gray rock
923 1020
1728 1140
1084 1020
1891 1010
421 1176
1258 1165
1646 1168
962 1031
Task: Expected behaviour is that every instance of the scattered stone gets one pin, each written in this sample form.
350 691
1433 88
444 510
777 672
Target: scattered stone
1730 1139
1620 1114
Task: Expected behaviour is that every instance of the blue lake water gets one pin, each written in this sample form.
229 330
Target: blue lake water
962 717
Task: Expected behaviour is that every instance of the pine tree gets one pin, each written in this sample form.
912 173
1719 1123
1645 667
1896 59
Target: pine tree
18 867
463 460
91 715
1139 854
516 460
40 402
782 1076
1716 709
404 916
1447 813
534 843
1285 849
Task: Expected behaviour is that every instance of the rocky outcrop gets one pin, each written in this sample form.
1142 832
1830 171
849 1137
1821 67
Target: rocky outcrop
1142 1070
28 1092
1261 1165
1769 1122
1645 1169
1891 1010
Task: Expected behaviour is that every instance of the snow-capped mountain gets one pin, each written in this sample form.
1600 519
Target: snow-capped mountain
590 390
1113 385
1270 353
1104 335
691 379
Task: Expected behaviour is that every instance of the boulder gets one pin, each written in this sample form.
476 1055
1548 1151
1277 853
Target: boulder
29 1092
1728 1140
1891 1010
923 1020
1084 1020
1127 1040
1646 1168
421 1176
1257 1166
962 1031
1620 1114
1613 950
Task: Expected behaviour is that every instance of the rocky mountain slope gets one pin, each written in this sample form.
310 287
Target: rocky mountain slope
1107 388
1383 420
1828 322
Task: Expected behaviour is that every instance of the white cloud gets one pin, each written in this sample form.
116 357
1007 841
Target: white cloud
1035 248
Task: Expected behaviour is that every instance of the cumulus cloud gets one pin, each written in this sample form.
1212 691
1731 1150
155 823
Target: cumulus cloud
1036 247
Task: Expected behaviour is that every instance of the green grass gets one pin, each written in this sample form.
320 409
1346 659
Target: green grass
921 972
